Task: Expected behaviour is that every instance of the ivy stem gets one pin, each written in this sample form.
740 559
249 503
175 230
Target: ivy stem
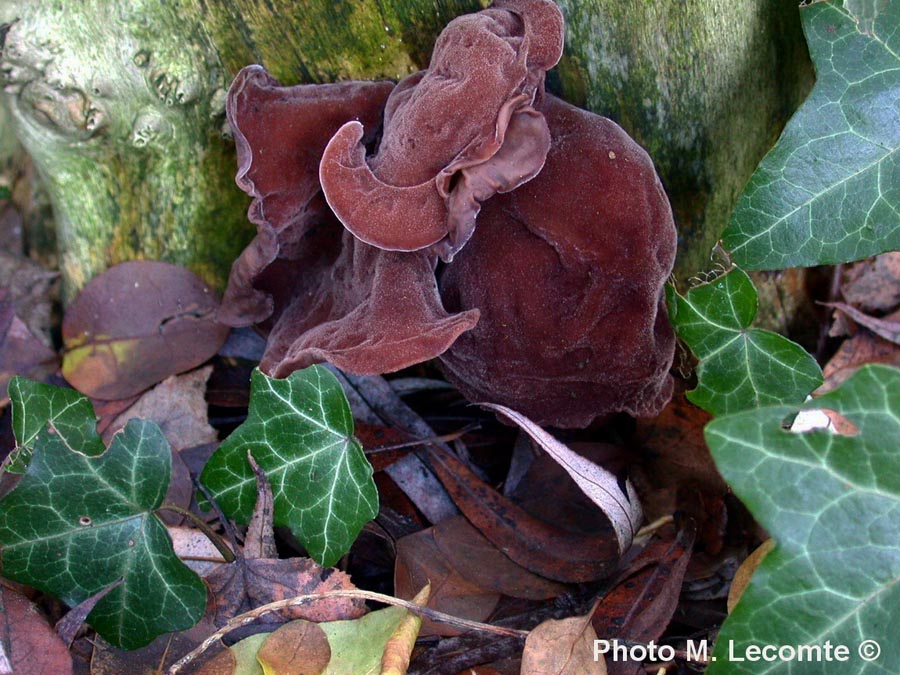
203 526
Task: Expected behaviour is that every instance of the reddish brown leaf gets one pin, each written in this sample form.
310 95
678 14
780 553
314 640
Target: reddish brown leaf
570 509
854 352
21 353
246 584
641 605
28 646
541 547
420 561
673 454
296 648
376 438
221 663
108 411
136 324
477 560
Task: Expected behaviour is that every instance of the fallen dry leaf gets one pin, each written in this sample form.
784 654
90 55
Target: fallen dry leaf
873 285
28 646
260 539
562 647
136 324
399 647
195 549
887 328
477 560
32 290
178 406
746 570
673 455
570 509
67 627
246 584
21 353
296 648
153 659
623 509
641 604
862 348
220 663
376 437
543 548
420 562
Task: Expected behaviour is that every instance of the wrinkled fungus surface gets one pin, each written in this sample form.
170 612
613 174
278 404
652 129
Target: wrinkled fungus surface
322 294
462 214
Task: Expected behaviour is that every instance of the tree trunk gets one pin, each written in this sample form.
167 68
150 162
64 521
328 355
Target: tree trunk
704 86
121 103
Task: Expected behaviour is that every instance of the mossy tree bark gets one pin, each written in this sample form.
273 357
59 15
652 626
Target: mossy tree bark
120 102
704 86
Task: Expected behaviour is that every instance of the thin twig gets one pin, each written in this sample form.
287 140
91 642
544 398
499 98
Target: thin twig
223 521
654 526
446 438
253 614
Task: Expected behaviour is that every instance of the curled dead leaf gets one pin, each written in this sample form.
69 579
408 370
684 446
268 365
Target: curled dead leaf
746 570
246 584
622 508
399 647
541 547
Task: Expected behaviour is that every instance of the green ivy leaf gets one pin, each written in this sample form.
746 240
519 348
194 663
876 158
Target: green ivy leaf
829 191
34 404
833 505
740 367
75 524
300 432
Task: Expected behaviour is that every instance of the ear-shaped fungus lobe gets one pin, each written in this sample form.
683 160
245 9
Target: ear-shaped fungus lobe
454 135
280 133
568 273
376 312
324 295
